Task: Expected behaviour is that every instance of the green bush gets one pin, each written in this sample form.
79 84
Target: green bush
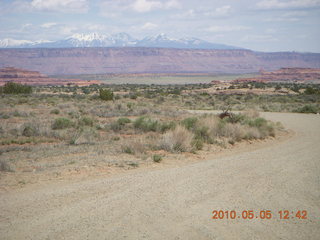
189 123
128 150
86 121
62 123
307 109
106 94
30 130
167 126
16 88
258 122
202 133
197 143
123 121
146 124
157 158
119 124
311 90
55 111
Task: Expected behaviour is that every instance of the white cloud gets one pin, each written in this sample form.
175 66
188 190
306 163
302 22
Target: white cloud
149 26
48 25
226 28
288 17
172 4
270 31
259 38
223 11
67 30
79 6
27 25
114 9
185 15
146 6
94 27
278 4
218 12
149 5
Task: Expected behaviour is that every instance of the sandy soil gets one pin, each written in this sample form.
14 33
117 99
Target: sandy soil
177 202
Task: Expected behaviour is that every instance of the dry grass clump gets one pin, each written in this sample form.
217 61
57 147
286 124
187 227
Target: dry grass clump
5 166
236 131
135 146
177 140
84 136
210 128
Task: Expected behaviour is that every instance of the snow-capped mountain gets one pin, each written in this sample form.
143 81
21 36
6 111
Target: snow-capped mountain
115 40
163 41
13 43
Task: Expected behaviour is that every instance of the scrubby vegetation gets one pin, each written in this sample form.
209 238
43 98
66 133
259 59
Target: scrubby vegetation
76 127
105 94
15 88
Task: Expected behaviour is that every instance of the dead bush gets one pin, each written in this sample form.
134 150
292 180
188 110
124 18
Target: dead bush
84 136
136 146
253 133
177 140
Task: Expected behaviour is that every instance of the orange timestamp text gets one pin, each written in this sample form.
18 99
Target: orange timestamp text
261 214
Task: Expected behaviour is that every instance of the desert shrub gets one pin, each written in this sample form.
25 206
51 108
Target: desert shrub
86 121
123 121
119 124
189 123
157 158
265 128
167 126
197 143
234 131
84 136
307 109
236 118
5 166
311 90
115 126
128 150
4 116
252 133
105 94
55 111
177 140
16 88
277 87
30 130
135 146
146 124
238 127
17 113
62 123
202 132
257 122
133 96
86 90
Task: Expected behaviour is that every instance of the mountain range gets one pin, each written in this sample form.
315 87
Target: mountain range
123 60
115 40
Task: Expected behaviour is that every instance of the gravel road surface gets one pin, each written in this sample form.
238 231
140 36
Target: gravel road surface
177 203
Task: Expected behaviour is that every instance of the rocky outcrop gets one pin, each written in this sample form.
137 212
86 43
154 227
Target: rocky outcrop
22 76
286 75
63 61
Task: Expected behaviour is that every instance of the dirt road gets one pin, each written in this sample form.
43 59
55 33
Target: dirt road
177 203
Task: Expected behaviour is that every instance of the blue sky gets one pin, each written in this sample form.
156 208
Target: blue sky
262 25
